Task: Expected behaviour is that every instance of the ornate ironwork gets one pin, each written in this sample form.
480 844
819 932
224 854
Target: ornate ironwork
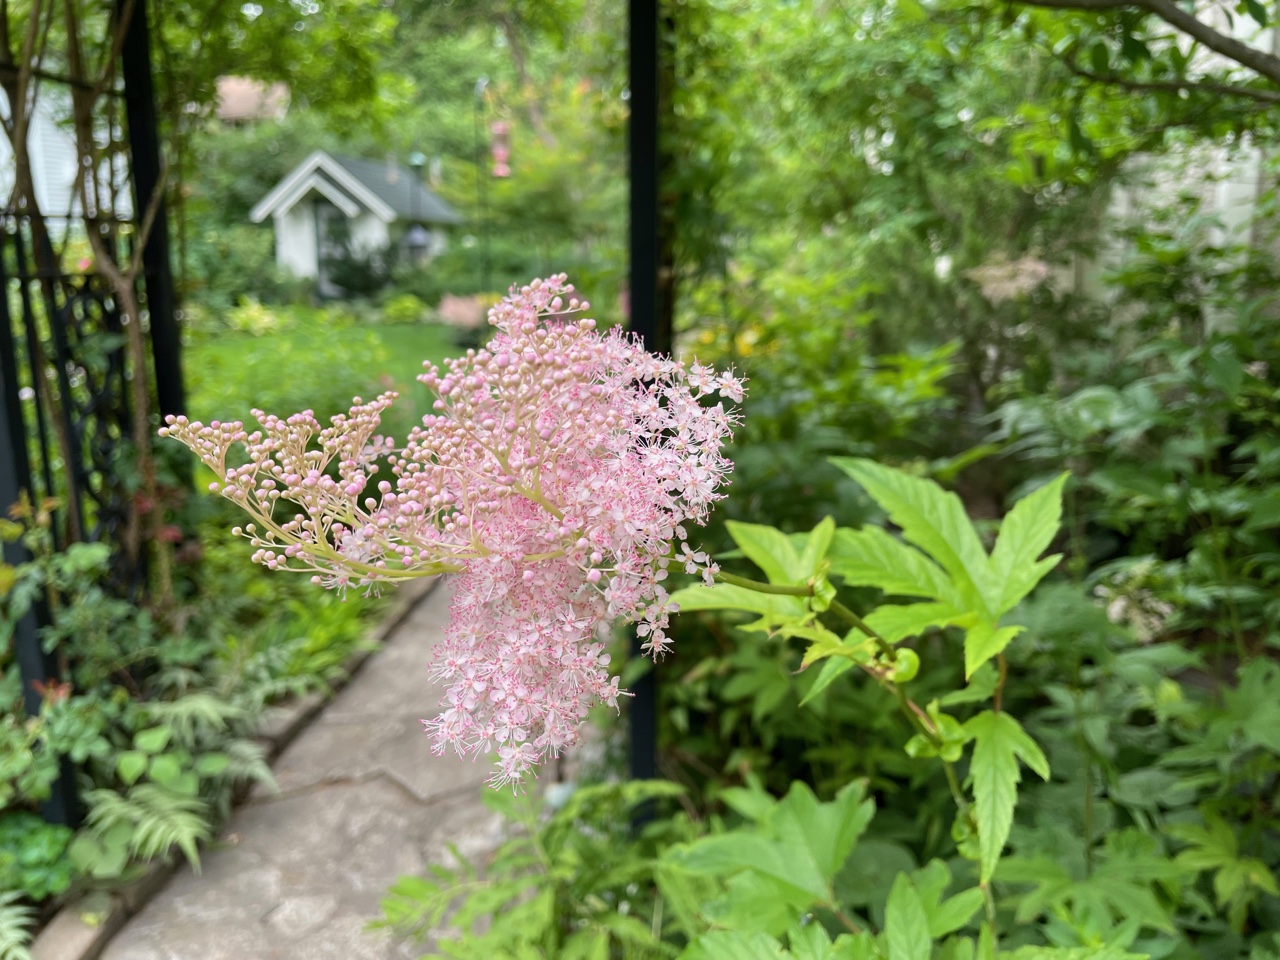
67 358
66 375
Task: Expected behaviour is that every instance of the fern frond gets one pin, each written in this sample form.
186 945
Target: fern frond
195 716
248 763
15 927
158 818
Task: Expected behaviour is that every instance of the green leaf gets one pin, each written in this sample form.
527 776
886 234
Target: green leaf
732 852
906 926
955 912
772 608
768 548
828 831
800 846
983 641
165 769
945 916
895 623
212 764
131 764
1025 533
1221 362
816 546
152 740
999 742
831 669
732 945
931 518
872 557
1073 953
981 686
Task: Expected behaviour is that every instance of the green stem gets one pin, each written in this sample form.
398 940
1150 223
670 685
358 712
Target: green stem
917 717
778 589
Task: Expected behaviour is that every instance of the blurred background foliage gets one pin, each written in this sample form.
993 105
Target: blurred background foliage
982 241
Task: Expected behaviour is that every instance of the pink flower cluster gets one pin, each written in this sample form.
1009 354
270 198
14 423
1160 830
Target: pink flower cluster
556 478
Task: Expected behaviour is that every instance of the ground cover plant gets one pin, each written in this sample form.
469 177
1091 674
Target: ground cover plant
157 709
157 713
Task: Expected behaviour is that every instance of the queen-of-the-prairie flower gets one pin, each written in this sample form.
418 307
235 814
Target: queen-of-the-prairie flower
556 478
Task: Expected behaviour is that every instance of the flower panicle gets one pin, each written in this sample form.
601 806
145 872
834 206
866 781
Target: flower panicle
556 475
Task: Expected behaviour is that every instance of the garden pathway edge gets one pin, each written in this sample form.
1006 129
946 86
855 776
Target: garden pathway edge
361 800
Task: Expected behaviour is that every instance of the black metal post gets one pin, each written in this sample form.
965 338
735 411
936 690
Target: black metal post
34 665
643 295
148 187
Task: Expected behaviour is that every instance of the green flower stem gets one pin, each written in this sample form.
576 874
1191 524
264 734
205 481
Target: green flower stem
917 717
778 589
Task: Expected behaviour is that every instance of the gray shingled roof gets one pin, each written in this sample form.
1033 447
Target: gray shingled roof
399 189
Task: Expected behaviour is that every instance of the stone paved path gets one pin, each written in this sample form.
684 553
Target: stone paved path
297 875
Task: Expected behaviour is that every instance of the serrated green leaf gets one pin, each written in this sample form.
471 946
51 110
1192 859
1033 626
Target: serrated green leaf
983 641
827 831
981 686
999 742
768 548
729 853
897 622
1025 533
586 945
809 942
906 926
800 846
932 519
732 945
873 557
753 903
954 913
831 670
773 608
816 547
754 803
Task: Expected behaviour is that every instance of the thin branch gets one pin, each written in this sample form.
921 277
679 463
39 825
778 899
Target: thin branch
1174 86
1266 64
154 203
120 30
1078 4
1262 63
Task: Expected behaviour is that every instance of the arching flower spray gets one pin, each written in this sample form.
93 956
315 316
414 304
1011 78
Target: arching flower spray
557 478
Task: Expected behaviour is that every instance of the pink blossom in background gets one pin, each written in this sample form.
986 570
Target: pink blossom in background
556 478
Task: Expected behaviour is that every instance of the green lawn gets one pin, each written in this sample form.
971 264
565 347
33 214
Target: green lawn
320 368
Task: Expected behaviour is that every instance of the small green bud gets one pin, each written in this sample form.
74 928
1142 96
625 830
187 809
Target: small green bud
905 666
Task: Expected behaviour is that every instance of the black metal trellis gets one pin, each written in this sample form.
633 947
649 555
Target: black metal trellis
65 377
644 292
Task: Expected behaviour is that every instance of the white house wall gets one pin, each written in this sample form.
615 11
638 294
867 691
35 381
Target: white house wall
368 234
296 240
51 148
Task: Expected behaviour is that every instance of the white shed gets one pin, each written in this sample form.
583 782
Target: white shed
378 203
